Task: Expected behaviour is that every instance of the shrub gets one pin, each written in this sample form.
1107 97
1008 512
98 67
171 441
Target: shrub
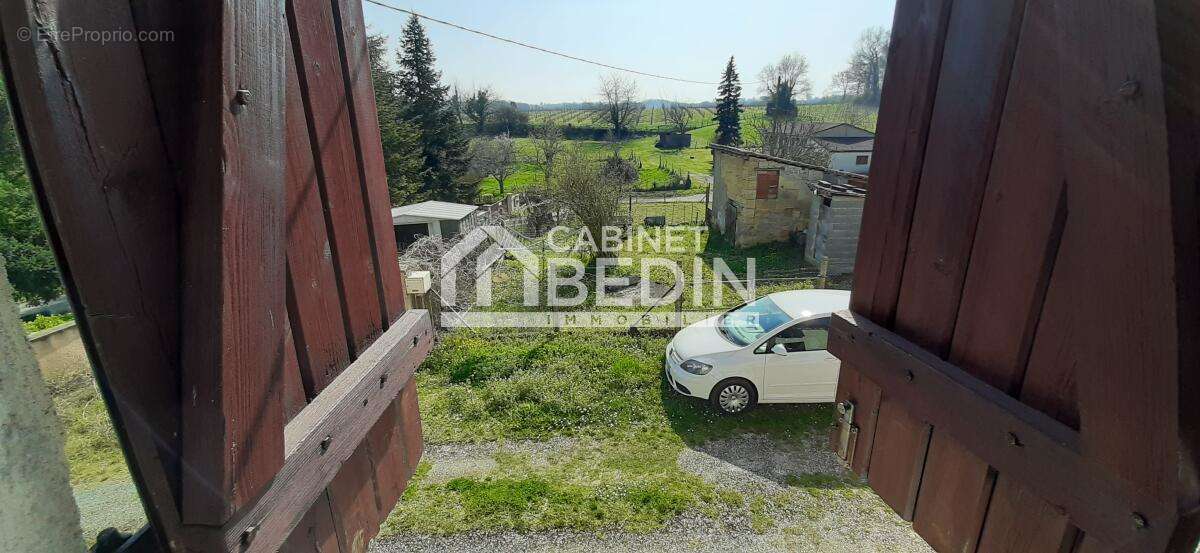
43 322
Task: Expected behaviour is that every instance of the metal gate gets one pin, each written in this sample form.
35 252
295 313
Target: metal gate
213 185
1020 363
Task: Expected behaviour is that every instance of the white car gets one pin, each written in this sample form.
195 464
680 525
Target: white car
770 350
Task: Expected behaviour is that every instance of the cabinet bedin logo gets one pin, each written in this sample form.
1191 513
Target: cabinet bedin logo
624 300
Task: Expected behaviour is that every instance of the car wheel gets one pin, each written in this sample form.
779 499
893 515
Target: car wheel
733 397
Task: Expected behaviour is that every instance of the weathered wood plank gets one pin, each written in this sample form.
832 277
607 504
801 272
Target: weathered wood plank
323 92
1177 21
1047 455
389 451
1113 117
324 436
314 303
914 67
108 196
918 34
1016 244
1016 238
234 279
353 495
364 117
294 398
980 42
410 417
315 533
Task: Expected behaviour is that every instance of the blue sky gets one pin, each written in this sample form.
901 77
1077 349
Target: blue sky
690 40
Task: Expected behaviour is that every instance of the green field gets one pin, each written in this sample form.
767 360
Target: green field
651 119
647 120
656 164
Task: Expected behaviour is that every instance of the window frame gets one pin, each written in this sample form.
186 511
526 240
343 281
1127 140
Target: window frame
769 342
766 190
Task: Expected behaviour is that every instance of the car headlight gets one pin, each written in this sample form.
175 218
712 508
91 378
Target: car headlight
695 367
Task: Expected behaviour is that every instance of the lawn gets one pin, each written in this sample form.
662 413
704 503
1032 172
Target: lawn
656 170
777 266
602 391
93 453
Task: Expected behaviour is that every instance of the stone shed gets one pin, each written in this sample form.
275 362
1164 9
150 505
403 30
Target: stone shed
757 198
833 225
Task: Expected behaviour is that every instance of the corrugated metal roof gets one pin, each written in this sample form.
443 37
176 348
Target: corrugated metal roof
432 210
834 189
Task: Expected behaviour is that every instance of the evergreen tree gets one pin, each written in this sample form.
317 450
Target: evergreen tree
401 140
728 116
32 270
425 105
781 103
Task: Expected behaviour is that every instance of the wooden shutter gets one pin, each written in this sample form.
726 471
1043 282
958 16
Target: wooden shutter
767 185
1022 375
217 201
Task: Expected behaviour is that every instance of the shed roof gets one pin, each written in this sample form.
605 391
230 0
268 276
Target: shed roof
828 126
829 189
431 211
765 157
847 144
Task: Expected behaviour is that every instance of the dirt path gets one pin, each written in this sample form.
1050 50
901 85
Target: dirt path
783 515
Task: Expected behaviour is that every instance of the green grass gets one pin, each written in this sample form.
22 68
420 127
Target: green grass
656 171
677 213
658 165
595 485
781 265
603 388
93 453
44 322
648 120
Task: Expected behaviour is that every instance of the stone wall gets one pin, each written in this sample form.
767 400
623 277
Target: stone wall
766 220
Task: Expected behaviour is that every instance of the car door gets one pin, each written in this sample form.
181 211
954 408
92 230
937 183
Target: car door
808 372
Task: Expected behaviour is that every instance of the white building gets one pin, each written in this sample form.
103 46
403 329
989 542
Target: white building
431 219
850 147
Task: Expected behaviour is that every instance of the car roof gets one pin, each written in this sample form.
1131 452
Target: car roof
802 304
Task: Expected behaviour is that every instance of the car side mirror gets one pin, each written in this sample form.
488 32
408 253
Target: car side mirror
779 349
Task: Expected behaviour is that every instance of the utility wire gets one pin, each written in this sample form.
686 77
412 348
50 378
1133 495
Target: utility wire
539 48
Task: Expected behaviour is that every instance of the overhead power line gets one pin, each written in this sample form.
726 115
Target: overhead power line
538 48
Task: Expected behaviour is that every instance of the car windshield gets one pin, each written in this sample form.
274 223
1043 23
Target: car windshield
742 325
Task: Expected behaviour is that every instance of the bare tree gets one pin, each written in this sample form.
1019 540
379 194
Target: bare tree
478 106
843 85
548 143
583 188
494 157
790 71
792 138
866 67
677 117
618 103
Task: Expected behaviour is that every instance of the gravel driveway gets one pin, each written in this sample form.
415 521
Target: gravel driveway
781 517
